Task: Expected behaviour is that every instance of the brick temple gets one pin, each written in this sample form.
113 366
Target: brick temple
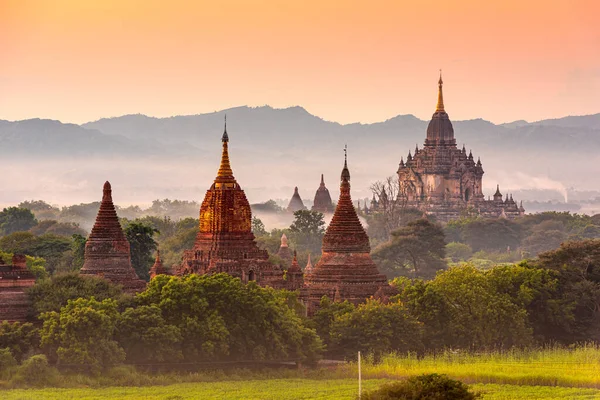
322 202
345 270
158 268
296 203
225 242
107 251
15 279
284 252
443 180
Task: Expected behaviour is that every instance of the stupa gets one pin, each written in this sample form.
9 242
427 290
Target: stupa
322 202
345 270
284 252
296 203
107 249
158 268
225 242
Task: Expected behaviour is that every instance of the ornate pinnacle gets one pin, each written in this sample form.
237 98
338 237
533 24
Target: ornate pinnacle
440 102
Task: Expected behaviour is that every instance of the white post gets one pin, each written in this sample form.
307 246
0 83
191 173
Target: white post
359 378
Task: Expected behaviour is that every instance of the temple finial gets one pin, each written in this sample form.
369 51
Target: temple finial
345 171
322 180
225 137
440 102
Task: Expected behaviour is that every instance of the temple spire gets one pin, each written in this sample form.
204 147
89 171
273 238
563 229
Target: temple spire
322 181
440 102
225 172
346 171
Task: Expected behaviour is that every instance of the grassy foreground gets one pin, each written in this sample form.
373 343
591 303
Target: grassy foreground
579 367
277 389
543 374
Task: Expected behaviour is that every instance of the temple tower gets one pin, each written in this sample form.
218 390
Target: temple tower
296 203
294 275
345 265
284 251
107 249
158 268
225 242
322 202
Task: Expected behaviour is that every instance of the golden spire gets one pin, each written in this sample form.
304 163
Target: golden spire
225 173
440 102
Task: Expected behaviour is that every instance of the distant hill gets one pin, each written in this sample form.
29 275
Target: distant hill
274 150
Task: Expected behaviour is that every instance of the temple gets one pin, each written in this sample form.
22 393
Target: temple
445 181
158 268
107 250
15 278
296 203
345 270
225 242
322 202
284 251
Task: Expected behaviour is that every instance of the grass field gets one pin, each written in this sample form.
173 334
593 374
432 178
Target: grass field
278 389
544 374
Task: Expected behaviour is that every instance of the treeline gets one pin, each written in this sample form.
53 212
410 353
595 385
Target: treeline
87 322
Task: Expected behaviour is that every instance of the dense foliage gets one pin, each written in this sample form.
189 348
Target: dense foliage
423 387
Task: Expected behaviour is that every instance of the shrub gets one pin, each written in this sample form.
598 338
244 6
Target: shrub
7 363
423 387
35 371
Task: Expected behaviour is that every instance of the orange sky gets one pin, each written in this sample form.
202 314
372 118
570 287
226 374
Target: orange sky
343 60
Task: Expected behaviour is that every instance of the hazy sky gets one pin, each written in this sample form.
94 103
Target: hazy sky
343 60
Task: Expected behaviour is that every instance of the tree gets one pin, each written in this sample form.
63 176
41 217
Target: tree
376 328
323 318
15 219
146 337
479 317
393 212
458 251
307 230
577 264
78 249
54 293
82 334
492 234
19 338
51 248
220 318
418 249
143 246
258 228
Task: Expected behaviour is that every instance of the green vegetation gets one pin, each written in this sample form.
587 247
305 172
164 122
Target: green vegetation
423 387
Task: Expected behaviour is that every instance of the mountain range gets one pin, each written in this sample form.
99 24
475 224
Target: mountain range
273 150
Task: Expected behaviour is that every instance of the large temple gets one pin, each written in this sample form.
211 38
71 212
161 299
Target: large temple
345 270
296 203
225 242
443 180
107 252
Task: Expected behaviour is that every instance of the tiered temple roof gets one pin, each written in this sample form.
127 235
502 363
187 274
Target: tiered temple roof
443 180
158 268
225 242
322 202
15 278
296 203
345 265
107 249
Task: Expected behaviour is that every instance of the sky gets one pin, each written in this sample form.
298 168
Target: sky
343 60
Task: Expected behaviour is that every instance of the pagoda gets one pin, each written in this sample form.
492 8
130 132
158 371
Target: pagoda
296 203
284 251
322 202
158 268
107 249
345 270
294 275
443 180
225 242
15 279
